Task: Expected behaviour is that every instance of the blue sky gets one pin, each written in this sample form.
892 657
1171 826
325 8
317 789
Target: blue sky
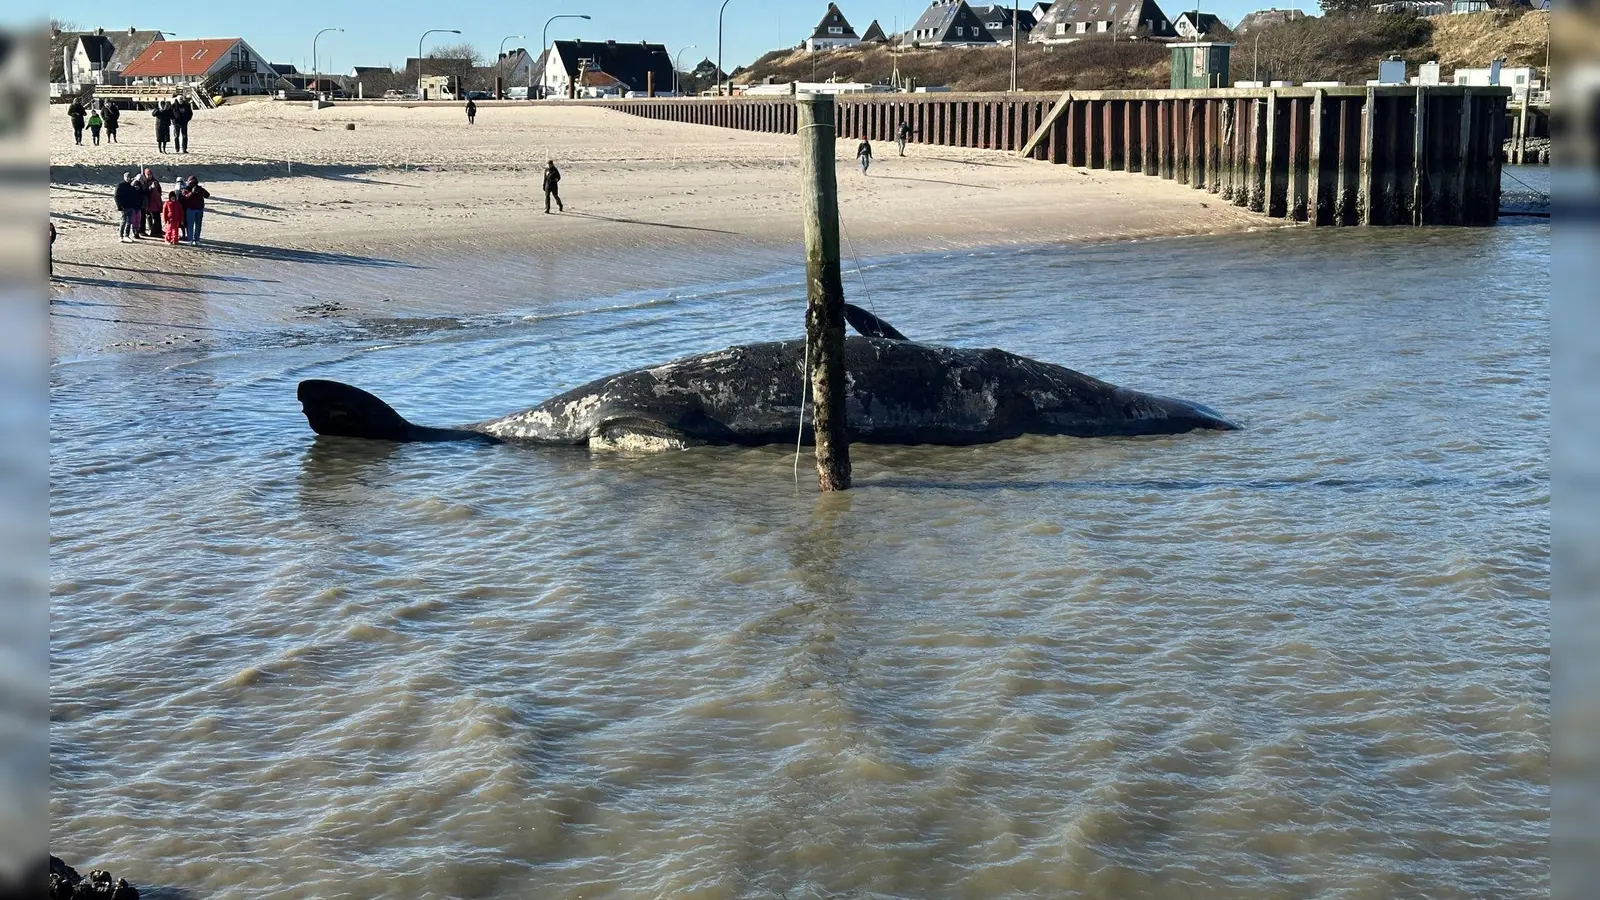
379 32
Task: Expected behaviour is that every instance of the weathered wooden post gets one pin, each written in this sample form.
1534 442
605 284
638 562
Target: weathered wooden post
824 291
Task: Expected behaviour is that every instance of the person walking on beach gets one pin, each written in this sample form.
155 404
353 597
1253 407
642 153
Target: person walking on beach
182 112
94 126
552 187
472 112
163 117
111 115
152 203
193 198
50 257
902 135
128 203
75 114
172 212
864 154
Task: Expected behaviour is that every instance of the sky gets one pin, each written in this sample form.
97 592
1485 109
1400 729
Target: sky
385 32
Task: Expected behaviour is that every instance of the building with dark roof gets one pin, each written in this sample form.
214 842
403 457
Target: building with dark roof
1074 20
996 18
948 23
1263 17
833 31
874 34
97 57
1192 26
629 65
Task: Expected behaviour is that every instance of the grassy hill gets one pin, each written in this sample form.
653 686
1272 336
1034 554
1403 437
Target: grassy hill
1314 49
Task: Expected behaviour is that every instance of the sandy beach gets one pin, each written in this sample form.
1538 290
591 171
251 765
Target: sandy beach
352 221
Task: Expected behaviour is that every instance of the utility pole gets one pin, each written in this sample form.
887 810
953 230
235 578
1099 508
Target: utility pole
824 291
1014 9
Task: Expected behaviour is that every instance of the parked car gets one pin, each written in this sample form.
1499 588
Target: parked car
477 95
392 94
517 93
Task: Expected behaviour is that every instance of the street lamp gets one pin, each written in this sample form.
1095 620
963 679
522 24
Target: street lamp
544 40
502 57
315 80
181 76
677 66
419 50
719 47
1014 44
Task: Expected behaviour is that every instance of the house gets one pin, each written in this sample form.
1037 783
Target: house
631 65
874 34
1467 7
833 31
1072 20
1264 17
223 65
1192 26
996 19
98 57
948 23
516 67
1039 9
1521 79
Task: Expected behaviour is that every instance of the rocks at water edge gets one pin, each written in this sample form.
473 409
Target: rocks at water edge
67 884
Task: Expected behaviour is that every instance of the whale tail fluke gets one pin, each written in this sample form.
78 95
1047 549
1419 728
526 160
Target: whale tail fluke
868 325
339 410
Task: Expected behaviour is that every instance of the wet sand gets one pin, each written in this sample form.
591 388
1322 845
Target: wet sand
299 197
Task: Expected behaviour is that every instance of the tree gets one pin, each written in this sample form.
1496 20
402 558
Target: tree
1344 7
462 51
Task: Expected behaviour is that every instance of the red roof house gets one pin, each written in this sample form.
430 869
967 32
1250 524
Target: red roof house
226 65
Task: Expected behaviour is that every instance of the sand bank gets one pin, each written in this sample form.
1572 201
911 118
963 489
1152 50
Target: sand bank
355 219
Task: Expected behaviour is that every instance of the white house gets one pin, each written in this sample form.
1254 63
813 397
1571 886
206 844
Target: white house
224 65
98 57
833 31
1521 79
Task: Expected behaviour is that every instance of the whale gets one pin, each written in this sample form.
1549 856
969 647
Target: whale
897 391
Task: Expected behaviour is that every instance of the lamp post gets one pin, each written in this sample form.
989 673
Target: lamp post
502 57
315 79
419 50
677 66
544 41
181 76
719 48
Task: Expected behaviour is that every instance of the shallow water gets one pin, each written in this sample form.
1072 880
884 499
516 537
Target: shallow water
1307 659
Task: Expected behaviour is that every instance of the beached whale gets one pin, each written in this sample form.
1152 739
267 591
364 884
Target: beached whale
897 392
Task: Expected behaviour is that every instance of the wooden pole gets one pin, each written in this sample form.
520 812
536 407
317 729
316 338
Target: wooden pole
824 290
1521 146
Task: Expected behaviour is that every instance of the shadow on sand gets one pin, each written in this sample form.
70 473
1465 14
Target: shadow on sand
651 224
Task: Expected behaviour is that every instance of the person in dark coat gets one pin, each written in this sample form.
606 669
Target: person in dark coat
472 112
902 135
75 113
193 198
552 187
864 155
129 203
163 116
182 112
111 115
50 265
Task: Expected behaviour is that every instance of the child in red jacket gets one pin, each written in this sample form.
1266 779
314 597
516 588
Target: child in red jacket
172 217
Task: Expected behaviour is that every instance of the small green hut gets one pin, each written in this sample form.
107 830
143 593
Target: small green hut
1197 65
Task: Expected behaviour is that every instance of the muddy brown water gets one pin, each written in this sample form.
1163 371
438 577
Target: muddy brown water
1306 659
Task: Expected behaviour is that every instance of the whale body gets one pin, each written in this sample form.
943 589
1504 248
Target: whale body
897 392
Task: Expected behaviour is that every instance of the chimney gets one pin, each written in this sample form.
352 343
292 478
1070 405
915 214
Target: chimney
611 43
132 31
99 32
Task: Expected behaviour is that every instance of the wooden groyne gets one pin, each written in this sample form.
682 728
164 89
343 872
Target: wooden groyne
1326 156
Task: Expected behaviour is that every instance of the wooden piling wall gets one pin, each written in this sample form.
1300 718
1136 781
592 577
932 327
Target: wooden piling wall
1392 155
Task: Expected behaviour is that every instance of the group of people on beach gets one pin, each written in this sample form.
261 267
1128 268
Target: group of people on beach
175 215
172 122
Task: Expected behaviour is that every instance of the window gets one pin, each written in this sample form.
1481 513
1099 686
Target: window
1061 28
1082 27
199 53
834 29
1103 26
